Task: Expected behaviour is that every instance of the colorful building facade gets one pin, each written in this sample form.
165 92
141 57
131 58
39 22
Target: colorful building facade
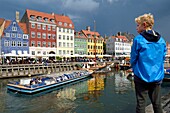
15 38
80 43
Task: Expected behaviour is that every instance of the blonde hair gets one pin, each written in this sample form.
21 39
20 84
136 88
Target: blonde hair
148 18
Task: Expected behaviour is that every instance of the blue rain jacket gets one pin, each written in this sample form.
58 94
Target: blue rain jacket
148 55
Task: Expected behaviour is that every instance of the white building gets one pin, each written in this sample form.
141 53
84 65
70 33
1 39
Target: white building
118 46
65 35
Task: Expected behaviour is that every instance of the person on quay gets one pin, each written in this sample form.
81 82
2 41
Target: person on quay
147 61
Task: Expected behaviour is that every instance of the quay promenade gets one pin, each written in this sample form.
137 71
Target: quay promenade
21 70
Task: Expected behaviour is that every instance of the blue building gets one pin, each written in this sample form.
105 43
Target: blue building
15 39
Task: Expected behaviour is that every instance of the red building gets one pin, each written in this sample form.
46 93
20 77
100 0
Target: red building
42 32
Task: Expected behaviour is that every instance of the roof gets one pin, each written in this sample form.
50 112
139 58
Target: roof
64 19
78 35
23 26
120 37
37 13
92 33
1 21
7 23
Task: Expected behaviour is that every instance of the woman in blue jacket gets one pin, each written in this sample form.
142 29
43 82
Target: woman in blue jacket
147 61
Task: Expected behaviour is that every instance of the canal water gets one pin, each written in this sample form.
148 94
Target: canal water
109 92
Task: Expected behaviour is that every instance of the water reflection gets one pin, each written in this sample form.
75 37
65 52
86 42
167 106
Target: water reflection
122 84
111 91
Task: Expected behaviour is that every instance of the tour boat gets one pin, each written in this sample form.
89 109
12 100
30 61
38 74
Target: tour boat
31 86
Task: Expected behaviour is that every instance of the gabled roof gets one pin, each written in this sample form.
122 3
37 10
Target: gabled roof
64 19
1 21
37 13
21 25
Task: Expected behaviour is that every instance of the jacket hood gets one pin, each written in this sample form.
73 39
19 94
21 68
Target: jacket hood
151 35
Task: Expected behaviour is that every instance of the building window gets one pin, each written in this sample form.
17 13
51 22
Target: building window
32 17
64 30
67 30
44 36
25 44
59 44
65 24
14 28
53 44
60 52
33 44
49 28
67 44
13 44
38 35
59 30
70 25
67 51
63 37
64 44
19 35
25 36
71 44
49 36
53 36
7 34
7 43
33 52
60 23
49 44
33 34
32 25
71 38
44 44
38 44
13 35
67 37
45 19
44 27
64 52
59 37
53 28
19 44
39 26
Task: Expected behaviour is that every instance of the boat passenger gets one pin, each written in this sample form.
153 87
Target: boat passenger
32 82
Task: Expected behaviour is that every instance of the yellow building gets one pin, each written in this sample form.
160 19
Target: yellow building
94 39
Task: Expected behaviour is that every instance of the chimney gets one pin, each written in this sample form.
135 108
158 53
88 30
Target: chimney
17 16
52 13
88 28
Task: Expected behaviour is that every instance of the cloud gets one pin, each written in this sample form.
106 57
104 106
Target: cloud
81 5
110 1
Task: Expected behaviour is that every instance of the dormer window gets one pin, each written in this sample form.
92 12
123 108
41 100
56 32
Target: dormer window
88 35
52 20
39 18
65 24
32 17
45 19
70 25
60 23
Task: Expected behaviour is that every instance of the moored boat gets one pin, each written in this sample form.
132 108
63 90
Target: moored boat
31 86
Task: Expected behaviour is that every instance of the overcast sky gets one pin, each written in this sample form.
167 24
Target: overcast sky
111 16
